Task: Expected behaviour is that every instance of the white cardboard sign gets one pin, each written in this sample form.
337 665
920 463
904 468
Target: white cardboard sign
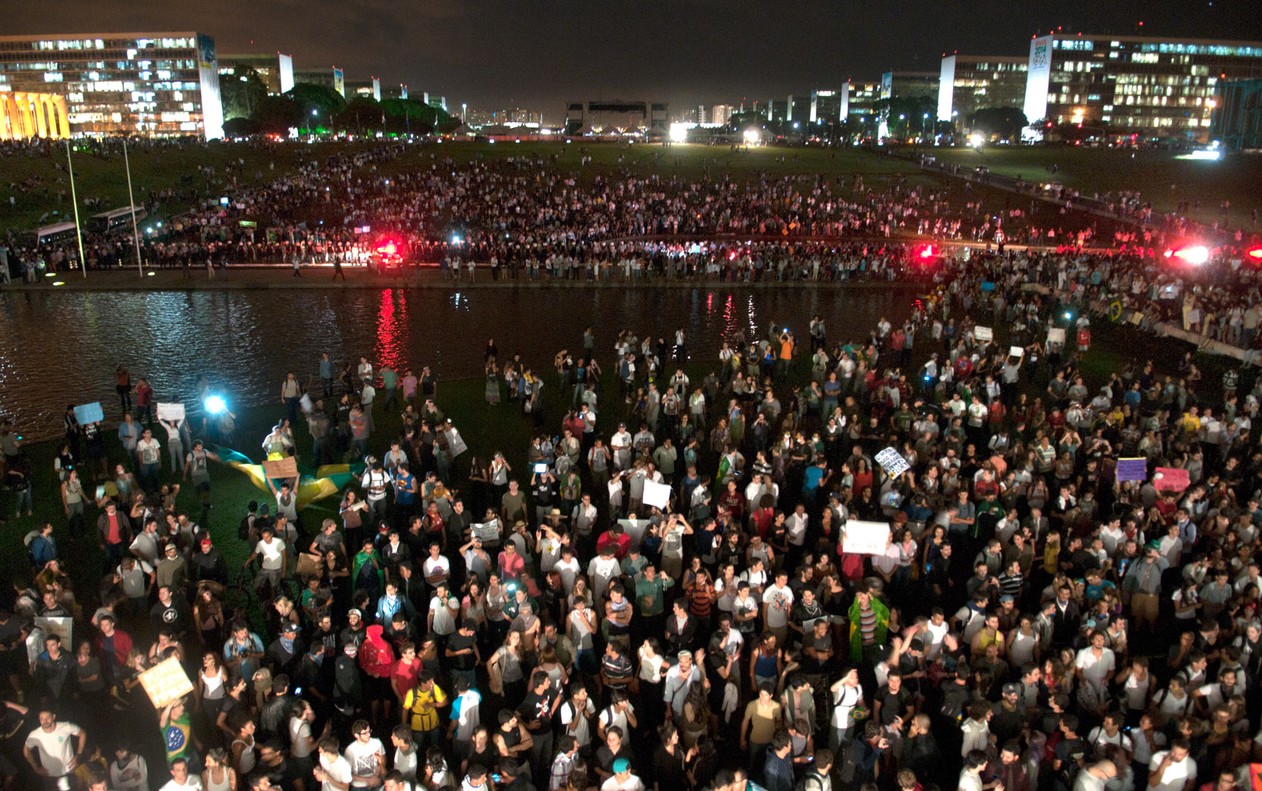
865 538
656 494
984 334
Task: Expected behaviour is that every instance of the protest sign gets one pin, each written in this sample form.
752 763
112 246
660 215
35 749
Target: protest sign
865 538
1132 470
1056 335
1170 479
892 462
656 495
165 682
281 469
1016 351
984 334
487 532
89 413
171 412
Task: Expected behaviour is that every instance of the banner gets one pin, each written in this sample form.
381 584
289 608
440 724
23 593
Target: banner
165 682
984 334
281 469
865 538
1171 479
89 413
1056 335
1132 470
892 462
656 495
171 412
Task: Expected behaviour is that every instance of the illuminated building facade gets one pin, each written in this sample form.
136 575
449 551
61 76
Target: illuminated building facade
1160 87
1237 120
861 99
24 116
275 70
970 82
826 107
147 84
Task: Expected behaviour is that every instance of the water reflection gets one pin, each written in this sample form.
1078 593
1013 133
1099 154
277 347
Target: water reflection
63 348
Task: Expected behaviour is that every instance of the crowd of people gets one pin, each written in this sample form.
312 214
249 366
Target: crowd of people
664 595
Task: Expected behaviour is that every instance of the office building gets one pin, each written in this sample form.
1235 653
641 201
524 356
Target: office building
721 114
909 84
364 89
826 107
799 111
147 84
861 99
971 82
276 70
1156 87
1236 119
778 110
330 77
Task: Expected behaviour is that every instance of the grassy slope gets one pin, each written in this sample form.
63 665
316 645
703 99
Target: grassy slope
1159 177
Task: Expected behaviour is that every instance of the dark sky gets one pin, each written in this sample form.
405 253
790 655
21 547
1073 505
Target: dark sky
541 53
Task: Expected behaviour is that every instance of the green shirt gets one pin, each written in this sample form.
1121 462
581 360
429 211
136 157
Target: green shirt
649 595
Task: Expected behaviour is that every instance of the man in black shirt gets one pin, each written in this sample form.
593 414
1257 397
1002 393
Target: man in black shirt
536 712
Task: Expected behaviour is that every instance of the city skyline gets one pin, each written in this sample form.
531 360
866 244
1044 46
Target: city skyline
503 54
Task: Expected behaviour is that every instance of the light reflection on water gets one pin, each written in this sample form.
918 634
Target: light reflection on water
62 348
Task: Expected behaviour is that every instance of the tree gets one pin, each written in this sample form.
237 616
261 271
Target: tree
241 127
318 103
241 91
362 114
1003 122
277 114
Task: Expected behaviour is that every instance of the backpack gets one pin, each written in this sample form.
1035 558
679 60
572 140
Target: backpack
243 529
809 782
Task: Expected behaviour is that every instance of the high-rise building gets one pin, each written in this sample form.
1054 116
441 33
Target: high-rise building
777 110
826 107
799 108
148 84
720 114
364 89
330 77
1134 84
1237 115
909 84
861 99
276 70
971 82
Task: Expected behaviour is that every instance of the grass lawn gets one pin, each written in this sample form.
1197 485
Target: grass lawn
40 184
1160 178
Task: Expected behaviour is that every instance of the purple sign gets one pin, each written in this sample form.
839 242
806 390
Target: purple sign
1132 470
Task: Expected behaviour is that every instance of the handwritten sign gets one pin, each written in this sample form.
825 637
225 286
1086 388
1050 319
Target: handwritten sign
1016 351
281 469
1171 479
1132 470
892 462
89 413
865 538
165 682
1056 335
656 495
983 334
171 412
487 532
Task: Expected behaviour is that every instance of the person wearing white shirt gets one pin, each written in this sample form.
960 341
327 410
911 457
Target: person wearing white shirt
1173 769
59 744
777 603
333 772
366 757
181 778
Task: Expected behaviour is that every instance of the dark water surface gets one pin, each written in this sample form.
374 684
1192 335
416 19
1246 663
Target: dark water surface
59 348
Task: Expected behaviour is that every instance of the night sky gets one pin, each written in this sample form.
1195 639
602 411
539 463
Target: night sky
539 54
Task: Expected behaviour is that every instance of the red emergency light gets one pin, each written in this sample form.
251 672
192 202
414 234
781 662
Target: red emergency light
1255 253
925 252
389 248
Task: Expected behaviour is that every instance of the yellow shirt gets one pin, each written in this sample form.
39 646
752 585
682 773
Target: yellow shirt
424 707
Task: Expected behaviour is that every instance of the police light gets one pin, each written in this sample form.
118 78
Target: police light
1255 253
389 248
1194 254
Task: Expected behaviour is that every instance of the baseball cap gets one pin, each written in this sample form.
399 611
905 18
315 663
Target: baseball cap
1012 689
356 612
1006 597
621 765
206 541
